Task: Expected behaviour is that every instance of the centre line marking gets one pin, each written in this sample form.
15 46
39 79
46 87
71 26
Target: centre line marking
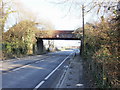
57 67
40 84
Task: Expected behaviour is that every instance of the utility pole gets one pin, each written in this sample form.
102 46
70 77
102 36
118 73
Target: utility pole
82 43
83 28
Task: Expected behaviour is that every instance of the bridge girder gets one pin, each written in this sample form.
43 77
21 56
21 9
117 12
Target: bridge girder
59 35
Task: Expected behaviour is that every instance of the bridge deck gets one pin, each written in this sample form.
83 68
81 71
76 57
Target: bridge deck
60 35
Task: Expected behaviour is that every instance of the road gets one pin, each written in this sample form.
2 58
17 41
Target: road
40 73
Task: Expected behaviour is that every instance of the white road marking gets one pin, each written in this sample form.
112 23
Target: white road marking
16 69
37 61
62 77
20 67
79 85
57 67
39 85
26 65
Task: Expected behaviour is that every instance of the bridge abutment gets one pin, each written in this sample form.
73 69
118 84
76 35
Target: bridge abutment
40 46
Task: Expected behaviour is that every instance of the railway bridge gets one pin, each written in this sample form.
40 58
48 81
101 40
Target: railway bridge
56 35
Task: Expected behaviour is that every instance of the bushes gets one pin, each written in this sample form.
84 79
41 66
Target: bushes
102 52
19 39
14 49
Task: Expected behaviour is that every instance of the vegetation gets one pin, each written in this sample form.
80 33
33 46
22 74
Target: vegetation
101 50
101 46
5 11
20 39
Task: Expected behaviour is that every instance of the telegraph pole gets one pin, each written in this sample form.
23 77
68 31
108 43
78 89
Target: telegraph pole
82 43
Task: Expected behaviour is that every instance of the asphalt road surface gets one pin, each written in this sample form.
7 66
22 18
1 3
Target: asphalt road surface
43 73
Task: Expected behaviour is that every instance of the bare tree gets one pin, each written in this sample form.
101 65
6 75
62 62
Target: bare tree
5 10
97 6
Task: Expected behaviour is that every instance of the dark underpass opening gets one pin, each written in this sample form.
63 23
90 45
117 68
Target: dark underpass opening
51 45
59 40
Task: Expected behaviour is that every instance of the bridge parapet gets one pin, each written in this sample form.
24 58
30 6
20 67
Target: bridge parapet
60 34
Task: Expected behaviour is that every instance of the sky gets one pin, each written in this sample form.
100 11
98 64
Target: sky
59 43
57 14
